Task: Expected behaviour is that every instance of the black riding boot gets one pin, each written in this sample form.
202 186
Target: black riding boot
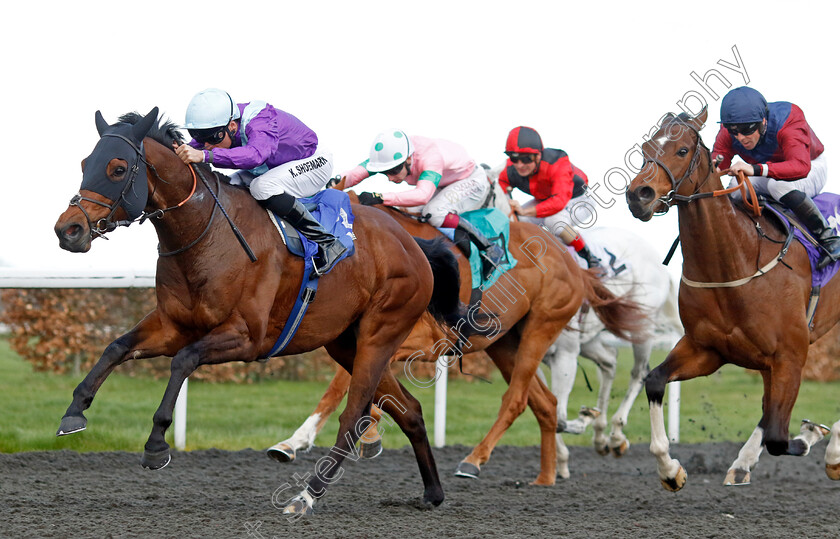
491 254
806 211
591 260
289 208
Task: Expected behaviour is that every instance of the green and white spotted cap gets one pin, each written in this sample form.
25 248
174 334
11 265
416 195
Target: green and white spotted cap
389 149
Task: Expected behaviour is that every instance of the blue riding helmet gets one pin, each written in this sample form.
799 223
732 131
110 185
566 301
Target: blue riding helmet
743 105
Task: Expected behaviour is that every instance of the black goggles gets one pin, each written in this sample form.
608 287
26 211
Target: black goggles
394 171
521 157
746 129
214 135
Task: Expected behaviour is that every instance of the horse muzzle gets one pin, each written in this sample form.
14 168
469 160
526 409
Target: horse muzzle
73 237
640 201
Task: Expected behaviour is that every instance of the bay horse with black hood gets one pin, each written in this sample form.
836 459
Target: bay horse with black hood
215 306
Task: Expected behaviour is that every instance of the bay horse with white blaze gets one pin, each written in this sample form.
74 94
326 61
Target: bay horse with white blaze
535 300
729 300
215 306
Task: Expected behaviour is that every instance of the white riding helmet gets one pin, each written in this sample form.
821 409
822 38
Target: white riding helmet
389 149
211 108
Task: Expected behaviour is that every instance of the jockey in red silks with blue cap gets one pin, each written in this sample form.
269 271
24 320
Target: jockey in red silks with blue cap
781 153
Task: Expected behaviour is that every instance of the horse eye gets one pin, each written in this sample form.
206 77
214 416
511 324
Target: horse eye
682 152
119 171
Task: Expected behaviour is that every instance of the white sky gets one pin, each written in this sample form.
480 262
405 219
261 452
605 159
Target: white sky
592 78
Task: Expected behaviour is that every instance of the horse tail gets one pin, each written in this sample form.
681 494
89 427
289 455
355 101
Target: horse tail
446 306
622 316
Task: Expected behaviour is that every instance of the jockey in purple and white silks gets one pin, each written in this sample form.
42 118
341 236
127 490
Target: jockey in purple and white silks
447 183
276 155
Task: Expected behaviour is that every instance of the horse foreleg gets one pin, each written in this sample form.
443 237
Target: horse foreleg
145 340
519 368
641 355
781 386
304 437
562 361
832 454
684 362
226 343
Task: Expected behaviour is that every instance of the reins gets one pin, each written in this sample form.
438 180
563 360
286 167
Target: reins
750 200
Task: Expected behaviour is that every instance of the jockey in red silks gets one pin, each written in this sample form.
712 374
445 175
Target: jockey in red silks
278 158
783 155
556 184
447 183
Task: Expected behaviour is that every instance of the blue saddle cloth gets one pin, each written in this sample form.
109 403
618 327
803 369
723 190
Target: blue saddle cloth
331 208
496 227
829 206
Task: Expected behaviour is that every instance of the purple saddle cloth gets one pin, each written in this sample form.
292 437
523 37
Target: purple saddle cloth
829 206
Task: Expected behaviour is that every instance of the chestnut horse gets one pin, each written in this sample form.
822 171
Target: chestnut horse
536 299
215 306
737 307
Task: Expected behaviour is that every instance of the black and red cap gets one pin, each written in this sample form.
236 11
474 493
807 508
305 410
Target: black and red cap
523 140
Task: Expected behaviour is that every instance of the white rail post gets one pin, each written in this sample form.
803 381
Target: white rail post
441 380
674 412
179 418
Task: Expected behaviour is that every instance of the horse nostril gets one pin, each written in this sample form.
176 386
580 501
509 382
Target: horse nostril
646 194
71 232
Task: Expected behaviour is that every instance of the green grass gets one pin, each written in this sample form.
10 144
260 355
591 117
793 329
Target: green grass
724 406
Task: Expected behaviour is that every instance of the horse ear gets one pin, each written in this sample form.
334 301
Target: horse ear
699 120
101 124
142 127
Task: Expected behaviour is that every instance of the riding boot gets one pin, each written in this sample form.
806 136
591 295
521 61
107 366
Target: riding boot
491 254
330 248
806 211
591 260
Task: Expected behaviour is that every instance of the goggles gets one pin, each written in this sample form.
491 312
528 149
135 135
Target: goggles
746 129
521 157
212 136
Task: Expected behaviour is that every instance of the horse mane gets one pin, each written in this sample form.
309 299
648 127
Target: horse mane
163 130
168 132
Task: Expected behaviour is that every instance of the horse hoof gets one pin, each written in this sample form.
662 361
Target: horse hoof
620 450
298 507
155 460
677 482
602 449
737 477
370 450
70 424
281 452
833 471
465 469
433 496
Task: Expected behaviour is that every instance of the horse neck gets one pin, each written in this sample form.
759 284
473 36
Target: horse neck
180 224
719 242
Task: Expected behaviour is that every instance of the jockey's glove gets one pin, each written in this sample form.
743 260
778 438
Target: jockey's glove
369 199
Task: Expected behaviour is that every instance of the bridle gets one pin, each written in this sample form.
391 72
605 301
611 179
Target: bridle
107 224
672 197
